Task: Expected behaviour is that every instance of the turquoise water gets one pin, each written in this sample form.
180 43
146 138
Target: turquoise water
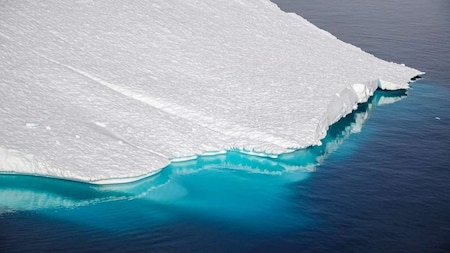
378 184
374 175
233 186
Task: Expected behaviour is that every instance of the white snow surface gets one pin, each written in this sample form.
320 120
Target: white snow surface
113 91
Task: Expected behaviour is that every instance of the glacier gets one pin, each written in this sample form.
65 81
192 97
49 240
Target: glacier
110 92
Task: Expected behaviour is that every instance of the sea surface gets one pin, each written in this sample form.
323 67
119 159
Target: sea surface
379 183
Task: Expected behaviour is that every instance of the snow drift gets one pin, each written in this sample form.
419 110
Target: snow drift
112 91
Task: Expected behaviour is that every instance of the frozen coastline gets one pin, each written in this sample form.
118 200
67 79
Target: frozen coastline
106 92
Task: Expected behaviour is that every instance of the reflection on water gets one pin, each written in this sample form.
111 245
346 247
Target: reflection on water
178 180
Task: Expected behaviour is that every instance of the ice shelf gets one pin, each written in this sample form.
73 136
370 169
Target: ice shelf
113 91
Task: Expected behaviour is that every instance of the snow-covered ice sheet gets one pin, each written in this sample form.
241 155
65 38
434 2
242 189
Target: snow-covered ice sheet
112 91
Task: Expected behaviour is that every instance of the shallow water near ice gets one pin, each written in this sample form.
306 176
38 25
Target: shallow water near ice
360 196
379 183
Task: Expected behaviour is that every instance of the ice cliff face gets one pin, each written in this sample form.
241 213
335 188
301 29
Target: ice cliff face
111 91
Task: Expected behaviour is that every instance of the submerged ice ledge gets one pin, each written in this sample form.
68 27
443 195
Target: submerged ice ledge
112 98
14 161
25 193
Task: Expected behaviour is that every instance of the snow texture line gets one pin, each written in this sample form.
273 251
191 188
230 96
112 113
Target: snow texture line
103 130
208 122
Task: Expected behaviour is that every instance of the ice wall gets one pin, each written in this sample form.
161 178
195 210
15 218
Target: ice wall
112 91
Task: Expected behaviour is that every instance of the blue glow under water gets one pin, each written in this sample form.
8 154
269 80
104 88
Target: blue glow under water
378 184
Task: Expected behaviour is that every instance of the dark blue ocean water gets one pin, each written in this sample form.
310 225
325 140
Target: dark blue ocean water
380 182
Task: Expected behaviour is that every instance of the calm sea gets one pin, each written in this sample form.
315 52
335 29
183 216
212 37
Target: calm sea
380 182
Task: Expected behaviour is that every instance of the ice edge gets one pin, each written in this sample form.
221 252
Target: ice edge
346 101
341 105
